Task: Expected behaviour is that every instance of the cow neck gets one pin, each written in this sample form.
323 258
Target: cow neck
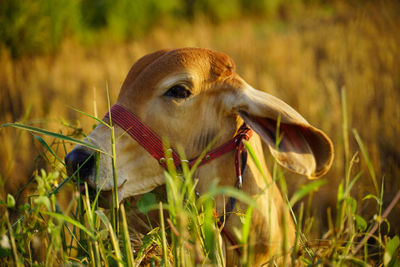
150 141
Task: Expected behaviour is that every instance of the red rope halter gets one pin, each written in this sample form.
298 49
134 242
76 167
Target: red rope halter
153 144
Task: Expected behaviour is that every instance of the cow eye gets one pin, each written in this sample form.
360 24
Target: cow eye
178 91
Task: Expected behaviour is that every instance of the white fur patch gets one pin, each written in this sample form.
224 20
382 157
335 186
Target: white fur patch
174 79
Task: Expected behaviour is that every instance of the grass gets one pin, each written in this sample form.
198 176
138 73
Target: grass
307 63
83 233
188 234
336 64
185 213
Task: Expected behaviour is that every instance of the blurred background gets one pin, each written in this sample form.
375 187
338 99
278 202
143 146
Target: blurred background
313 54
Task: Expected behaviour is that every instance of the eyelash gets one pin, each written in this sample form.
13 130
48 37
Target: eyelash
178 91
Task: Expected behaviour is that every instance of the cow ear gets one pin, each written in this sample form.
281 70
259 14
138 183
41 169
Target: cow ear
293 142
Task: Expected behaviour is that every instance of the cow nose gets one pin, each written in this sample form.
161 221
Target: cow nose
82 160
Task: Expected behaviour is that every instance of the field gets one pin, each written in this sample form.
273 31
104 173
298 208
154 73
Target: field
337 63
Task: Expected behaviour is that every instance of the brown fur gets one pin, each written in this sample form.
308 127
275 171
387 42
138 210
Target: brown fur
219 103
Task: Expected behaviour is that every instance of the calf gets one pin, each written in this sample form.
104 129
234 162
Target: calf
190 96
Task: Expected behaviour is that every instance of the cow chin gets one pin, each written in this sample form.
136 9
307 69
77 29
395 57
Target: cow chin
125 191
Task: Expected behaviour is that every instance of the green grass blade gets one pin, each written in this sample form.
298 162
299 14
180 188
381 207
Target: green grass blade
93 117
163 237
345 128
126 239
305 190
228 191
367 159
255 159
52 134
114 239
247 225
65 218
103 217
208 229
351 184
40 139
12 241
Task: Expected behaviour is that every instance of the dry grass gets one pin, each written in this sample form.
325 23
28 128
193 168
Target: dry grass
306 59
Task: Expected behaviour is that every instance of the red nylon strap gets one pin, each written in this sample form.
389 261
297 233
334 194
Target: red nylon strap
141 133
153 144
244 133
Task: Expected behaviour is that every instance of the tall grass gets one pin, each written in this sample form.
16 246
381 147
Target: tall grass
315 57
29 28
194 236
306 62
188 234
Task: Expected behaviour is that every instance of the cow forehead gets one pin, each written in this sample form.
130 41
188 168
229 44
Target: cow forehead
148 71
205 62
215 63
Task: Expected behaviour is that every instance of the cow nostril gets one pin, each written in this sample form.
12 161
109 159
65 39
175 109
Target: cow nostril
82 160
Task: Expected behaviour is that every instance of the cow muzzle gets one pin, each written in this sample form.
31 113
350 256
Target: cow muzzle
81 164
